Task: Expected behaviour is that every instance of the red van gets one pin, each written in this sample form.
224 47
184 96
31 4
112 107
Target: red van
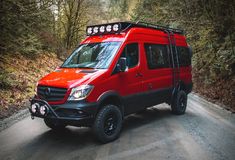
119 69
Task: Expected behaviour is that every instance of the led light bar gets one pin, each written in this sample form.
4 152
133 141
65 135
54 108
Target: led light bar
117 27
110 28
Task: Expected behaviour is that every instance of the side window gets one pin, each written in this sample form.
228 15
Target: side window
131 52
157 56
184 56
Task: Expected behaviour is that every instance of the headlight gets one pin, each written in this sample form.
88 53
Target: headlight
80 92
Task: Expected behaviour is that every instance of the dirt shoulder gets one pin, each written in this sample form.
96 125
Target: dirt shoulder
18 78
221 92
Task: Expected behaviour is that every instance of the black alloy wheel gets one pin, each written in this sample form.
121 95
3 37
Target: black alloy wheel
108 124
182 102
179 104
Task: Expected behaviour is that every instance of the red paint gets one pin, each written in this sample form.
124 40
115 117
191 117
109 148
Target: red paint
125 83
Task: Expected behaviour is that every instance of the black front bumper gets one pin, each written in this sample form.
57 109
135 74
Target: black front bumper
76 113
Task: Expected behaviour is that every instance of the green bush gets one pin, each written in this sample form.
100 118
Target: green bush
6 81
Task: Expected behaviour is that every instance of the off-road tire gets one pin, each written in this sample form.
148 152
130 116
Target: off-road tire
108 124
179 104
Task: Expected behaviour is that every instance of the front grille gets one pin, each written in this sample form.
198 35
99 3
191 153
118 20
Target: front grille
51 93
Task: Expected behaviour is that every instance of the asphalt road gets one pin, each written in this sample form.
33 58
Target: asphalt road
204 132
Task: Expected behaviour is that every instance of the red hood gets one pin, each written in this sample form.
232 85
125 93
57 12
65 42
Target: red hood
69 77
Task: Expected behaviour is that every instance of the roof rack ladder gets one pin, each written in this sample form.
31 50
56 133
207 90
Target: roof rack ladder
177 59
172 56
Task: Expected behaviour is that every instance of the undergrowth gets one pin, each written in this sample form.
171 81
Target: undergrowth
18 78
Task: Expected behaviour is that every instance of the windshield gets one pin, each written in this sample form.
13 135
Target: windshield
92 55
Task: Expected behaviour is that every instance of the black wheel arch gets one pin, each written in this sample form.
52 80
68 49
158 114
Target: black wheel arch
110 97
181 86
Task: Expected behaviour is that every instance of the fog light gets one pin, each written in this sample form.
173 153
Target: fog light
43 110
35 107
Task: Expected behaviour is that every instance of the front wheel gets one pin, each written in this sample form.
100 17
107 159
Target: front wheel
179 104
54 125
108 124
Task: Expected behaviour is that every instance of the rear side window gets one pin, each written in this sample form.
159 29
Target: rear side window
184 56
131 53
157 56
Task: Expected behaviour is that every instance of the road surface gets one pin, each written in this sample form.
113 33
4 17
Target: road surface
203 133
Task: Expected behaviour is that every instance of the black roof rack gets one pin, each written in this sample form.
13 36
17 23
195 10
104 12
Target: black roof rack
159 27
123 26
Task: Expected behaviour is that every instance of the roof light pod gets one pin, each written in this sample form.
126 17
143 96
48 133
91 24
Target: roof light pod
89 31
108 28
115 27
95 30
102 29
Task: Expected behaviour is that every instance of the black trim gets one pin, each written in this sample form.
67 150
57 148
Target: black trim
111 94
189 88
136 102
160 27
107 94
68 113
63 112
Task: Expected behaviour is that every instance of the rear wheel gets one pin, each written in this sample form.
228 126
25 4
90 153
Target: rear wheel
179 103
54 124
108 124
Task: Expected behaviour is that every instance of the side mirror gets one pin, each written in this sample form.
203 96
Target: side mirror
122 65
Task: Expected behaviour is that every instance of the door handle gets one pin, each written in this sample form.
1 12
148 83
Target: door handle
139 75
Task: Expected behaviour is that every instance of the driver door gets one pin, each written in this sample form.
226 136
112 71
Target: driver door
130 81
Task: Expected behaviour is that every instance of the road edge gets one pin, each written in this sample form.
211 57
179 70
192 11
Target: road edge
7 122
215 105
